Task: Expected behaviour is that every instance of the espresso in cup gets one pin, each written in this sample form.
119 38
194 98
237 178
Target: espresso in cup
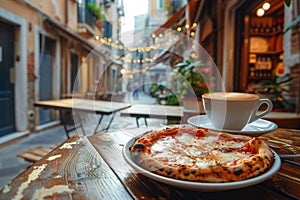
234 110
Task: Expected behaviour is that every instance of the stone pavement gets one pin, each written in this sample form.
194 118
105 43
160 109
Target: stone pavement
11 165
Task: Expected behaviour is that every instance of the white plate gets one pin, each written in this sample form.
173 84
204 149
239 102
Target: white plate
200 186
255 128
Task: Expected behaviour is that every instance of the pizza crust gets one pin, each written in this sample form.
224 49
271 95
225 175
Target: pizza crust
242 169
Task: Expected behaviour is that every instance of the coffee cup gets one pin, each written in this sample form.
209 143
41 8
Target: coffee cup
234 110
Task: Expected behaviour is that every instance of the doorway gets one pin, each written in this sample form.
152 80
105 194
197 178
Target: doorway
260 46
74 71
7 100
47 55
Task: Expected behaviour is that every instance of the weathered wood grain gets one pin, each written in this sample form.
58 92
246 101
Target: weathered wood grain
110 145
93 168
72 171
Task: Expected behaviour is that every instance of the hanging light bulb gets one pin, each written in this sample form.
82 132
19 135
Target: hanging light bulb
260 12
123 71
266 6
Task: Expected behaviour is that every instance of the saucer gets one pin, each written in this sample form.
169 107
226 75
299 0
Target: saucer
255 128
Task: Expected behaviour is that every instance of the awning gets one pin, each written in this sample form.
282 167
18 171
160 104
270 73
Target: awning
186 15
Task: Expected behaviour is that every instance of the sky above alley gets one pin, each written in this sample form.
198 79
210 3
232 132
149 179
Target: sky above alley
133 8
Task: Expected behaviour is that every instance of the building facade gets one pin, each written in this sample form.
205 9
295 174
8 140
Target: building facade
246 48
48 51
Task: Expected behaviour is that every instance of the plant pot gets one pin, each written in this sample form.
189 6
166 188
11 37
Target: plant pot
99 24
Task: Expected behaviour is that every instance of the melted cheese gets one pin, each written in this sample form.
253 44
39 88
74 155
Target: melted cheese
163 144
229 144
182 160
232 156
185 138
193 151
205 162
185 149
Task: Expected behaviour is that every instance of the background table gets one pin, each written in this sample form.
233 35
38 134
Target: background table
83 105
153 111
93 168
284 119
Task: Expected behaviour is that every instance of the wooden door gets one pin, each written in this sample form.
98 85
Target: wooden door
74 72
7 111
46 75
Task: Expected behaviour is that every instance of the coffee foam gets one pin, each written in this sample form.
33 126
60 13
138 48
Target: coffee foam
234 96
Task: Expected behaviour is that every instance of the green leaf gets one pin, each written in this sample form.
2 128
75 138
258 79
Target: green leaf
199 63
259 87
284 79
287 2
190 67
293 24
182 64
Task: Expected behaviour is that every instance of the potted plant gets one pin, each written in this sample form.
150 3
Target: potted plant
98 14
163 94
275 88
194 78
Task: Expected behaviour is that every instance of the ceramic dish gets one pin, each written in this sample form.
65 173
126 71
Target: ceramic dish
200 186
255 128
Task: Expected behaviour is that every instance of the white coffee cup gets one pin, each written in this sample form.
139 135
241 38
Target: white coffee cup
234 110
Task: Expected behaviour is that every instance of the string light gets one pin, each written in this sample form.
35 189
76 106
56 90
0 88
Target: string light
136 61
160 44
179 29
128 72
123 71
116 44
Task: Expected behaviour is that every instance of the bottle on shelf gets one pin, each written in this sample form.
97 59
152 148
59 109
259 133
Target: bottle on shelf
267 29
252 72
269 67
274 25
261 28
279 24
256 28
256 66
263 67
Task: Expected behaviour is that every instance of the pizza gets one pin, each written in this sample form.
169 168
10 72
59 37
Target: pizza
196 154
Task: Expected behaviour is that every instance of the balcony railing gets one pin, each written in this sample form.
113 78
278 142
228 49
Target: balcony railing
85 16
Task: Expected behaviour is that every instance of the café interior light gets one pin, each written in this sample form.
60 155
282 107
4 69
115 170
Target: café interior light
260 12
266 6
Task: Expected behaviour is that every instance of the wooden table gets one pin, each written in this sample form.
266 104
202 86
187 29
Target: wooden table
93 168
284 119
83 105
153 111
